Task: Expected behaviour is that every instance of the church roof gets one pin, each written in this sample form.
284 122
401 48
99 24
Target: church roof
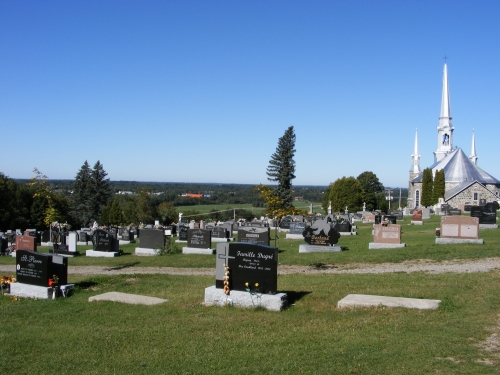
459 168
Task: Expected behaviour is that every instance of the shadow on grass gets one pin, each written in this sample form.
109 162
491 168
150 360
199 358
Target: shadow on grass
322 266
123 266
294 296
85 284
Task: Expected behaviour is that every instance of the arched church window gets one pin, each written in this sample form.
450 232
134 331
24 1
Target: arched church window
417 198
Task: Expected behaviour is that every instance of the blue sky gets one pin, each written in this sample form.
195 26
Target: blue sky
200 91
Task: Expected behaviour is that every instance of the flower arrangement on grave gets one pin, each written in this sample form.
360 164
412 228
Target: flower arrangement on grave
227 290
385 222
438 232
5 282
340 220
254 292
53 282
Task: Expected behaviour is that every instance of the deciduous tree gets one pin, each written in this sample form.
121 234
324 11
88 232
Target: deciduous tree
346 191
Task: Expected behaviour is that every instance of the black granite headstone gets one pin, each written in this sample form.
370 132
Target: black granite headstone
183 232
391 218
321 233
486 214
343 227
152 239
297 227
285 223
37 268
219 232
104 241
248 263
199 238
254 235
454 212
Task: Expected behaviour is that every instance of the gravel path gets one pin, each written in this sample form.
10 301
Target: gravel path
428 266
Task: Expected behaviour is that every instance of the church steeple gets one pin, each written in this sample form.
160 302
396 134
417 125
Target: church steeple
473 156
445 127
415 166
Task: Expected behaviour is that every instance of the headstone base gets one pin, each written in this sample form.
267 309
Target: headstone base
145 251
378 245
124 242
273 302
42 292
294 236
445 241
364 300
133 299
348 233
69 254
84 243
488 226
101 254
222 239
283 230
414 222
180 241
319 249
195 250
47 244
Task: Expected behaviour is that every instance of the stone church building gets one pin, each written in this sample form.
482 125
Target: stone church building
465 182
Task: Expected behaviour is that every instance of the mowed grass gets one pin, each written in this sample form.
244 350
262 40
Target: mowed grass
419 240
73 336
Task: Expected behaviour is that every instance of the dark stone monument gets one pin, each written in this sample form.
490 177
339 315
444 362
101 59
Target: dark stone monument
183 232
454 212
248 263
36 269
199 238
297 227
35 234
152 239
487 214
219 232
255 235
378 219
104 241
321 233
285 223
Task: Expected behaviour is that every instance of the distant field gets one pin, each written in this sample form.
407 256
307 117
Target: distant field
205 208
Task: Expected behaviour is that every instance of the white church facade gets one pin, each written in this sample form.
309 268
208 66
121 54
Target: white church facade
465 182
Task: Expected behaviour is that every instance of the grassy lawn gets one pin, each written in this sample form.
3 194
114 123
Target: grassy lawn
73 336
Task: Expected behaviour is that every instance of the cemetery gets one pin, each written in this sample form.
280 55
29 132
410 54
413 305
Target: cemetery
258 290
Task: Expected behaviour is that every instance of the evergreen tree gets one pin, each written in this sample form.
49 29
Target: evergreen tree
115 214
346 191
144 209
281 168
438 187
82 210
100 190
371 187
426 188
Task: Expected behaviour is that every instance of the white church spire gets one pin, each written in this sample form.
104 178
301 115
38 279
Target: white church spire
445 127
415 166
473 156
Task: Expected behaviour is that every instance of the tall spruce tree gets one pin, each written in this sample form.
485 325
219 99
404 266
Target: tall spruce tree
427 188
100 190
438 187
82 210
281 168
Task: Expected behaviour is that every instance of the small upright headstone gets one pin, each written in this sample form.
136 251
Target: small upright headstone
296 230
320 237
152 241
199 241
416 217
25 242
256 235
386 237
103 245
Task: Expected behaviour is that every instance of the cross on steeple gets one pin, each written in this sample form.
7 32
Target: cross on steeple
445 57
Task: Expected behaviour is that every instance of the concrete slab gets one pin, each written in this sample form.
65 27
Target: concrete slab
319 249
446 241
348 233
145 251
101 254
194 250
488 226
379 245
272 302
365 300
415 222
133 299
